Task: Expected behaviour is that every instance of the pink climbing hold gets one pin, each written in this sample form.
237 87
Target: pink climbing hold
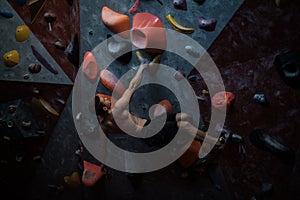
134 7
222 99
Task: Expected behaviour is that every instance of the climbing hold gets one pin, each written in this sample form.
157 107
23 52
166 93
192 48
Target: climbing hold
62 102
42 60
59 45
120 50
20 156
228 135
143 35
37 158
281 3
207 24
204 92
179 75
134 7
288 66
163 107
5 13
180 4
260 98
40 132
191 155
153 65
72 181
193 78
72 51
116 22
110 81
178 27
49 18
11 109
222 99
22 33
42 102
91 31
9 123
35 91
141 58
91 173
201 97
26 125
11 58
90 67
26 76
192 51
78 116
263 140
34 68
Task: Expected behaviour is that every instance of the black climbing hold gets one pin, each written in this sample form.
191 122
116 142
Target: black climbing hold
260 98
264 141
288 66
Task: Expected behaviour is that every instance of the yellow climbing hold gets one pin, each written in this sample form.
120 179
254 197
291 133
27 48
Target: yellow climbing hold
22 33
72 181
205 92
11 58
42 102
32 2
139 56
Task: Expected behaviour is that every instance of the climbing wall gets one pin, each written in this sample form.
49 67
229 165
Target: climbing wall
38 97
93 32
32 100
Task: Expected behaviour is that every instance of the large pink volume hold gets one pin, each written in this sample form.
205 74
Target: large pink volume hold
148 33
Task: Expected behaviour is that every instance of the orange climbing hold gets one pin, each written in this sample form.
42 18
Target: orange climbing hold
110 81
191 155
91 173
116 22
166 107
90 67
